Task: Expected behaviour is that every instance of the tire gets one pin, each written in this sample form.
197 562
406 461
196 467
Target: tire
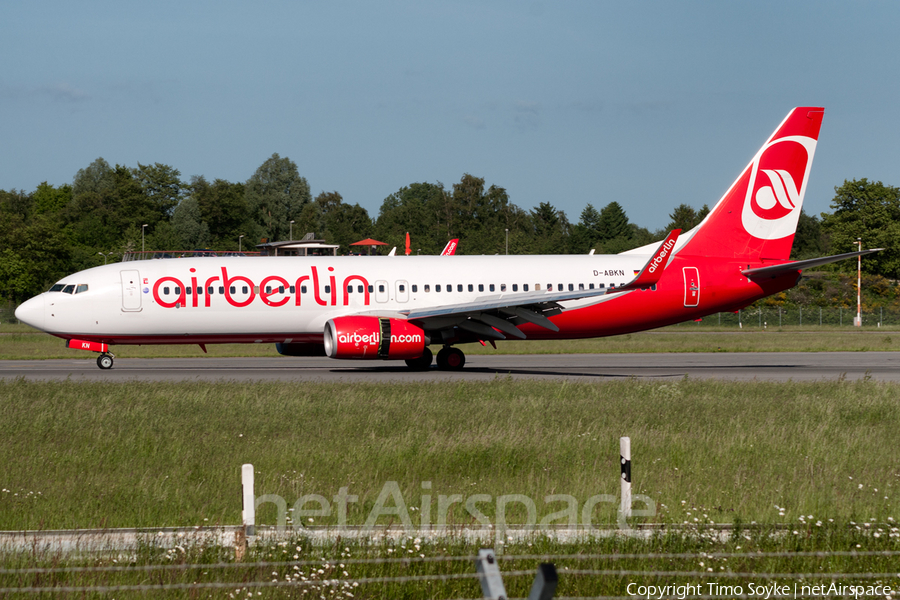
105 361
451 359
423 362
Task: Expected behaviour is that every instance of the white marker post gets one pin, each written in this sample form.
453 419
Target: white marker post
248 500
625 460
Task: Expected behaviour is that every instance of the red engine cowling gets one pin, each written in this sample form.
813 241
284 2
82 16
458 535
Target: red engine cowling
373 338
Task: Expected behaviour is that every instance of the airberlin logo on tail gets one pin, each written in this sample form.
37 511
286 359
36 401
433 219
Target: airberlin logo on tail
777 184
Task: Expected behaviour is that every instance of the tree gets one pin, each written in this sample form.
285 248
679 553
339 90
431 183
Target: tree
550 230
223 207
161 185
423 210
192 231
686 218
809 241
276 194
871 211
586 233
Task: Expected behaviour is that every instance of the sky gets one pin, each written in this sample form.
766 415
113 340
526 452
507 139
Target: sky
650 104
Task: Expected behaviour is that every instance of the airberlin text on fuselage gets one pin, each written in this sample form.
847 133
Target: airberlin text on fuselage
270 298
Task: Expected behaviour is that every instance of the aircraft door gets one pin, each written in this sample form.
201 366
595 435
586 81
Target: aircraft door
402 291
691 286
381 291
131 290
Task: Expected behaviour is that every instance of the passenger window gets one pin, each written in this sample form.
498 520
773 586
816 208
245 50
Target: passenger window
280 289
302 289
415 288
602 286
402 288
459 287
491 287
222 290
580 286
327 289
537 287
524 287
187 291
471 287
177 291
199 291
515 287
292 289
653 288
210 290
232 289
165 291
380 288
480 287
360 289
502 287
549 287
591 286
437 287
82 287
245 290
571 287
561 288
371 288
427 288
449 287
349 289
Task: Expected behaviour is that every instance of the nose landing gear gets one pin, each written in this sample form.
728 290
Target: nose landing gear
104 361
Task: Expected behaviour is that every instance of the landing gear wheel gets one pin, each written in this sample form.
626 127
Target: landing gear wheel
451 359
105 361
422 363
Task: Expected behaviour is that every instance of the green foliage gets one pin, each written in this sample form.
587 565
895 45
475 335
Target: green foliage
809 240
871 211
276 194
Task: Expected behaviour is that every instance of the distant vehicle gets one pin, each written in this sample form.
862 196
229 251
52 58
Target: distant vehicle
388 308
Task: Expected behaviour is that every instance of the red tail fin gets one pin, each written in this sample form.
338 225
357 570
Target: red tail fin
757 217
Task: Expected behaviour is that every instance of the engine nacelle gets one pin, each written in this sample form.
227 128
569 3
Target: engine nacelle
373 338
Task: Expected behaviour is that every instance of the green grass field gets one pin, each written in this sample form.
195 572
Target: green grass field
135 455
816 460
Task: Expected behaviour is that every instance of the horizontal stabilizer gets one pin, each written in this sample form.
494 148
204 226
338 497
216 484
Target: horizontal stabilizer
654 268
799 265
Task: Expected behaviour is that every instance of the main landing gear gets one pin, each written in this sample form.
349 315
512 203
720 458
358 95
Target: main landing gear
448 359
105 361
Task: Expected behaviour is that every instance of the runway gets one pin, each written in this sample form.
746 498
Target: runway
750 366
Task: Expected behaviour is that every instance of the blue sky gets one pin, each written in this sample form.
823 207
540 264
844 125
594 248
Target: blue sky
650 104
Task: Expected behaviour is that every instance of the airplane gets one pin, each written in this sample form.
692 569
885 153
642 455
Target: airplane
385 308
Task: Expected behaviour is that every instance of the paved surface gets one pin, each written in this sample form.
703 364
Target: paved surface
762 366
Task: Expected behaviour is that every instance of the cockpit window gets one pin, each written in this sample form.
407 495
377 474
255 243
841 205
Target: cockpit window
81 287
69 289
57 287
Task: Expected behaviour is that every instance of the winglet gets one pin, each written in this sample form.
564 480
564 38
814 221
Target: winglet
654 268
450 248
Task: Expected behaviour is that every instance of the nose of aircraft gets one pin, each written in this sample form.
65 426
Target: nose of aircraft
32 312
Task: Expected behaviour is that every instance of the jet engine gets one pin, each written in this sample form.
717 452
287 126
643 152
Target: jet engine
372 338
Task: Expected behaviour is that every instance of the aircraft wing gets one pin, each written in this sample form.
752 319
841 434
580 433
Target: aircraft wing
488 314
799 265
